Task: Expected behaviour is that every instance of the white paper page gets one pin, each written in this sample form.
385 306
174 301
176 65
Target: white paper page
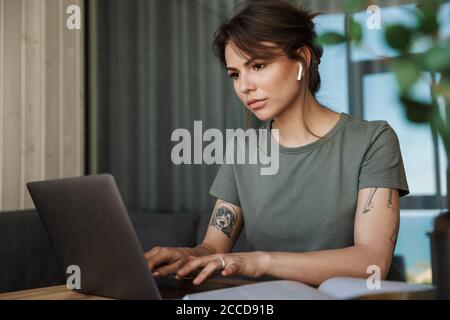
348 288
267 290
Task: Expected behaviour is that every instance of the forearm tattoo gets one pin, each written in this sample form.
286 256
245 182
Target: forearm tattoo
369 202
224 218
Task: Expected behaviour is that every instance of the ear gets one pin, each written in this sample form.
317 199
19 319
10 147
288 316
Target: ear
305 55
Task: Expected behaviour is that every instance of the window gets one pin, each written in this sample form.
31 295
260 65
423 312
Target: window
357 81
333 67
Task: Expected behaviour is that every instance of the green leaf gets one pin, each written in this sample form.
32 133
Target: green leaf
429 6
417 112
429 24
441 126
446 76
331 38
398 37
354 5
427 16
406 73
437 58
419 60
355 31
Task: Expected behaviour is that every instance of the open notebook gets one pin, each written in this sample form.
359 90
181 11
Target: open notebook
331 289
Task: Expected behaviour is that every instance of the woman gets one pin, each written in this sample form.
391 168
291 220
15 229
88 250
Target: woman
333 207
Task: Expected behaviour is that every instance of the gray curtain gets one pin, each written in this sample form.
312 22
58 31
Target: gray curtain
155 72
151 71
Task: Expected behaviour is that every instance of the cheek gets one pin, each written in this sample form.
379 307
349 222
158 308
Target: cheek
238 91
280 89
278 81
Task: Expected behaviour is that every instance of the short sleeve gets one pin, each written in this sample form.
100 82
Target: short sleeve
382 165
224 185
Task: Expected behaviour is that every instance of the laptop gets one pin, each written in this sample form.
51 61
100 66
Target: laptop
89 226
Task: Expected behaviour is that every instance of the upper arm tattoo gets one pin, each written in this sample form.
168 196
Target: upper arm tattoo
393 237
224 218
369 202
389 204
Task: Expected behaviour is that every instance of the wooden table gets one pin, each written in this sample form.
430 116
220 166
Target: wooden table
417 295
170 288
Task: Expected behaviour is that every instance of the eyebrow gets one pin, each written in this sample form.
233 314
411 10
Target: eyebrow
245 64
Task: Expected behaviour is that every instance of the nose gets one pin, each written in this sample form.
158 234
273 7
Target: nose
245 84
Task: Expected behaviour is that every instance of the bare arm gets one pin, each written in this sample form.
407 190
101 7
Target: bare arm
376 227
224 228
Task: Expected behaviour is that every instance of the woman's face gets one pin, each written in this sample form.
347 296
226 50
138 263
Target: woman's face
274 83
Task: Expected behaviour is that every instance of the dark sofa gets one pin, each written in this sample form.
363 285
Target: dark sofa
28 260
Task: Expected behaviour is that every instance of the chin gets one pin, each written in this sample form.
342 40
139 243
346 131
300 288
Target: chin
264 119
263 115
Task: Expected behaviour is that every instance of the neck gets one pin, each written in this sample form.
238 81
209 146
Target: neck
292 129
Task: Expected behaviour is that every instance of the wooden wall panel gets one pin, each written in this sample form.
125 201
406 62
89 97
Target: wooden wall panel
41 97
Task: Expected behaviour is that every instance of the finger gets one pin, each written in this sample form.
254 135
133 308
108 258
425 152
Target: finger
151 252
230 270
212 267
168 270
192 265
160 258
184 263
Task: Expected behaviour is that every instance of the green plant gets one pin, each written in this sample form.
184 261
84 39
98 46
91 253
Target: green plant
411 66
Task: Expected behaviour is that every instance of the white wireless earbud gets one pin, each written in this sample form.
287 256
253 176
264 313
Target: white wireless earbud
300 71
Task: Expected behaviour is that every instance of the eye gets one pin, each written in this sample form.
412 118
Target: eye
258 66
233 75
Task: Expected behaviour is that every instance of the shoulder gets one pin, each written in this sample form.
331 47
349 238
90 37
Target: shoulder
368 131
365 126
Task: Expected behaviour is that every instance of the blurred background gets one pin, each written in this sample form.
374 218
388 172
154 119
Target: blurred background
106 98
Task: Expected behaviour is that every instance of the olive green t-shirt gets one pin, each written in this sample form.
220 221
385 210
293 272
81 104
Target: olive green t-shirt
310 203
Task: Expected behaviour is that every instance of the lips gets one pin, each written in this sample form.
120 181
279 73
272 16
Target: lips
256 103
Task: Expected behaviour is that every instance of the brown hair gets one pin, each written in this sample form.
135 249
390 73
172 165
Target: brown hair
286 25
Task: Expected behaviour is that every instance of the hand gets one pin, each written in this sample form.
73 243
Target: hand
167 259
250 264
